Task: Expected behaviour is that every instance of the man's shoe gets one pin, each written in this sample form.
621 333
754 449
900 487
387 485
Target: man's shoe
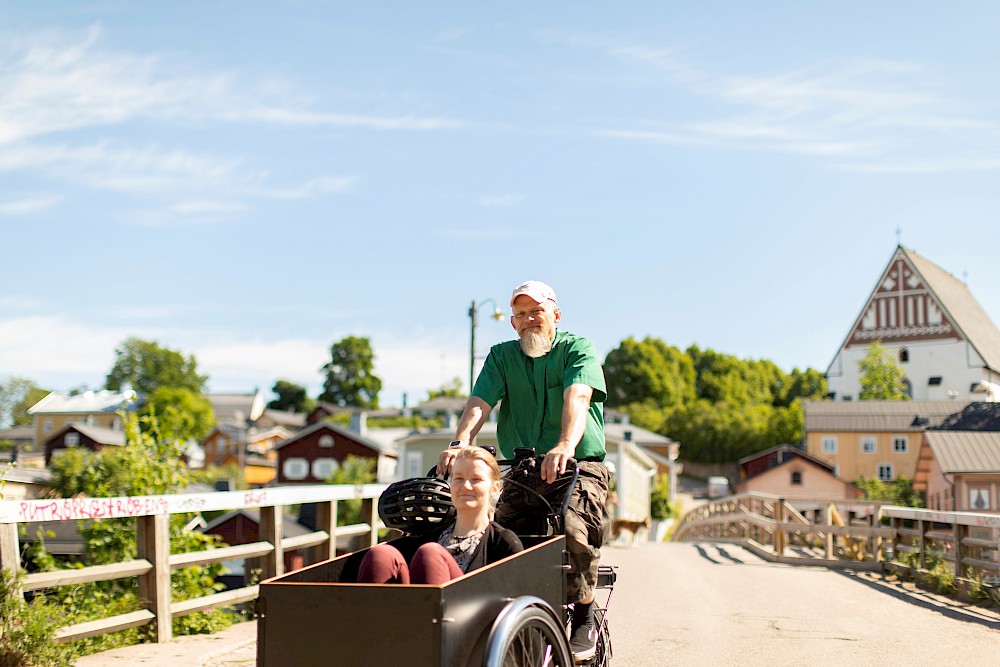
583 642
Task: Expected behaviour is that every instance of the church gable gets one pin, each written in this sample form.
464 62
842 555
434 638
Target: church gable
903 308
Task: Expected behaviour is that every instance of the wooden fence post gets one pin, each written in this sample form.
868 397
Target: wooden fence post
779 532
958 549
153 544
369 512
271 530
876 541
10 551
828 536
326 519
922 544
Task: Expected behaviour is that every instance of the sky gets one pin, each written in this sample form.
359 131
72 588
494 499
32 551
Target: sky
249 182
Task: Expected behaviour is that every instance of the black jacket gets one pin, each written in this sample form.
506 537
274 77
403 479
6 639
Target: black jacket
497 543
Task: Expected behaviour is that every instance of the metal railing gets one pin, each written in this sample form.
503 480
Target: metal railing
868 535
155 562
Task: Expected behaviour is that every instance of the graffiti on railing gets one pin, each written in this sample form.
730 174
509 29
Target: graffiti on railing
255 497
91 508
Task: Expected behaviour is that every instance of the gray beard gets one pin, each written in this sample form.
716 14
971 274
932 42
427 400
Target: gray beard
535 343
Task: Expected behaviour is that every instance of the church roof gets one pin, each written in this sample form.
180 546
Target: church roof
965 311
916 300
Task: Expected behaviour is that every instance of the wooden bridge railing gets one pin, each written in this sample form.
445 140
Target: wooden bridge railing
858 534
155 562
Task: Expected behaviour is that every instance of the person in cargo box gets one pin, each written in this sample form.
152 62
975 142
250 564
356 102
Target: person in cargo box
467 543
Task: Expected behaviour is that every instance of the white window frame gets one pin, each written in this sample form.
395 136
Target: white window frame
324 466
47 426
979 491
326 441
887 467
295 468
905 449
415 464
869 444
828 444
72 439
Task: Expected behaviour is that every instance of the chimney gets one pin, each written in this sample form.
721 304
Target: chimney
359 422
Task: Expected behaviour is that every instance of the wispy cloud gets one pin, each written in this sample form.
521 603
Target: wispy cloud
54 84
862 114
497 201
28 205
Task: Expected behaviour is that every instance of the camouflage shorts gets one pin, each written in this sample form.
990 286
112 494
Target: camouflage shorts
586 520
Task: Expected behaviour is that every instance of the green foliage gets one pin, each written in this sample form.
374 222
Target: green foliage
720 407
17 394
353 470
291 397
182 414
146 367
149 464
413 422
350 381
881 376
451 389
649 370
898 492
659 498
27 629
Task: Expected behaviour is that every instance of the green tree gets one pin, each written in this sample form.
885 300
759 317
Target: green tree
148 464
17 394
881 376
898 492
648 370
451 389
146 367
290 397
182 414
350 380
353 470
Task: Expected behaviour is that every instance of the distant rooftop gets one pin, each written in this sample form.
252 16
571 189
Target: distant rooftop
87 402
895 416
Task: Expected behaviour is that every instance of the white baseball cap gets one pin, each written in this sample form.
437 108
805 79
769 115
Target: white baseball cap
537 290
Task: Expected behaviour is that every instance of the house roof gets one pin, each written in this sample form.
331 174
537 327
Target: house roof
777 456
87 402
875 416
377 445
454 404
290 524
965 451
18 434
236 408
295 420
978 416
99 434
636 434
964 310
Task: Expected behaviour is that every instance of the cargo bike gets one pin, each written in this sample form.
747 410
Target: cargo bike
510 613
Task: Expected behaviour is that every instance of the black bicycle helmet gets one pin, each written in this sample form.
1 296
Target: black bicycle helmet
417 505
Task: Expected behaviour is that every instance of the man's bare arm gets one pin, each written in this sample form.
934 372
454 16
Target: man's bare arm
476 412
576 403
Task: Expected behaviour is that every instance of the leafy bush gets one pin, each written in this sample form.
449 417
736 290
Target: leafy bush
27 629
659 498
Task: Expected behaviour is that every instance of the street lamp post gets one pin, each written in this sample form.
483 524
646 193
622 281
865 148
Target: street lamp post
497 314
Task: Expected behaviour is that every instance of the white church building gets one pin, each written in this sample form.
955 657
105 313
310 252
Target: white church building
930 322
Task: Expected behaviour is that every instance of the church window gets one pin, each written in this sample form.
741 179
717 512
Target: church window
904 355
934 381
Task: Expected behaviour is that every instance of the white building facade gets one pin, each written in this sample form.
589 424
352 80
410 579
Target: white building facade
929 321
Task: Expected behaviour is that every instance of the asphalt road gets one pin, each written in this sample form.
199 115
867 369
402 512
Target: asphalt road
715 604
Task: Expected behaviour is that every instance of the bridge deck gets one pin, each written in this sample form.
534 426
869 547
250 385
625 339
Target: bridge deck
707 604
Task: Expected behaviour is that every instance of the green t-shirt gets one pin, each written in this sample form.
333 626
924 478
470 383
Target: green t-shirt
532 394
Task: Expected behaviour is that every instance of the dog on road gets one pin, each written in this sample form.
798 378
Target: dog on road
634 528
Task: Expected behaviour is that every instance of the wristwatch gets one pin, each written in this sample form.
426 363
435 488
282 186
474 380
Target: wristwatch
455 444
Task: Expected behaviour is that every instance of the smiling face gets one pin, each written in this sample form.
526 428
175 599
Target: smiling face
535 323
472 485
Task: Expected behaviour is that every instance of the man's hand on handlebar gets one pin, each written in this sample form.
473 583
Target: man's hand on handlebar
554 463
445 459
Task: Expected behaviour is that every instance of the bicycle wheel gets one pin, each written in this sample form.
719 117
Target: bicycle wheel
603 656
533 639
